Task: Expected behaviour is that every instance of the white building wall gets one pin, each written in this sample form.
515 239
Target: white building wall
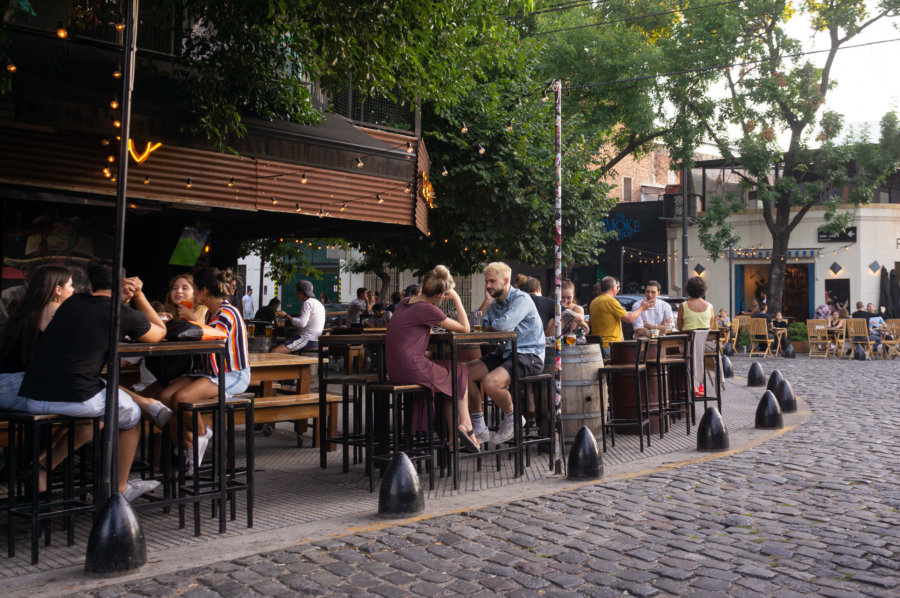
878 228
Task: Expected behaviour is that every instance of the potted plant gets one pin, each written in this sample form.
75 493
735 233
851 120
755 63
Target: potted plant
797 334
743 339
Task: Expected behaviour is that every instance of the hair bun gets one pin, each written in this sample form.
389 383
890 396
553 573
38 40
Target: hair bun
442 272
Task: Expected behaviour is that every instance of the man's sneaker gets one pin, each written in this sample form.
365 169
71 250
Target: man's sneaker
136 488
505 431
480 432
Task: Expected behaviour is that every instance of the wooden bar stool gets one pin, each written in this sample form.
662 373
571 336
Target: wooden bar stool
609 422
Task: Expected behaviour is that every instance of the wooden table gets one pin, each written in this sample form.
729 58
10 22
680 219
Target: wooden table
266 368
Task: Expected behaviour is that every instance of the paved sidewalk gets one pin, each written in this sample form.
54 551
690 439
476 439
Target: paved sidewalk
812 511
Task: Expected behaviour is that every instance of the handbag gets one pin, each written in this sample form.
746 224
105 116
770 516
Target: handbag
188 330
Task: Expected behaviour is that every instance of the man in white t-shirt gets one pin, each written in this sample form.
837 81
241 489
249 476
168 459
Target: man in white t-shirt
247 302
659 316
311 321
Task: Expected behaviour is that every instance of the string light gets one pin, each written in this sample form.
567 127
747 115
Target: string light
147 180
303 179
104 142
379 198
107 173
230 182
343 206
10 67
117 124
359 163
118 72
274 201
61 32
509 126
110 158
298 210
480 149
120 26
444 171
409 147
114 104
464 129
188 184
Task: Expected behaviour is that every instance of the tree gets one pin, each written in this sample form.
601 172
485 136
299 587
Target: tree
499 204
252 57
773 90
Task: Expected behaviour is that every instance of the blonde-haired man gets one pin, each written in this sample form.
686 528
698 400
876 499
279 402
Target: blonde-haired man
507 309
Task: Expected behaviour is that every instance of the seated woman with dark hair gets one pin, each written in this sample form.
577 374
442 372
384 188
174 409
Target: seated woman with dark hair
697 314
407 339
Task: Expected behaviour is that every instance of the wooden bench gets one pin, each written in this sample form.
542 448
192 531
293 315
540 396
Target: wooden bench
294 408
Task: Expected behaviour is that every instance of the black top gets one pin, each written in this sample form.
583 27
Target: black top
762 314
781 324
265 313
862 314
546 308
12 358
73 350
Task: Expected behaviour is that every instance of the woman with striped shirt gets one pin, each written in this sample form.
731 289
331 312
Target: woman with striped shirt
212 287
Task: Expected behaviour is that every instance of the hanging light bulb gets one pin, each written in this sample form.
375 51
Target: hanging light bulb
274 201
113 179
343 206
444 171
544 97
321 214
107 173
10 67
104 142
61 31
406 188
480 149
118 72
147 180
114 104
188 184
359 163
110 158
379 198
509 125
464 129
298 210
230 182
117 124
120 26
303 179
409 147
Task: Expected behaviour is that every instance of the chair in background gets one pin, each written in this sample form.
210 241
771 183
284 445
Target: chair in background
837 336
760 343
817 335
891 345
858 335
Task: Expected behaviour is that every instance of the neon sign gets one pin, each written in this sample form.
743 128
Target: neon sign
140 159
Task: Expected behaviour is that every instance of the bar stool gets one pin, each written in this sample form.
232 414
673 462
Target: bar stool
542 385
33 434
673 363
400 402
609 422
205 477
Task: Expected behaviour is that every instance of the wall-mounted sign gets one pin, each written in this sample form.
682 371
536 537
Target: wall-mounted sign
140 158
624 227
845 236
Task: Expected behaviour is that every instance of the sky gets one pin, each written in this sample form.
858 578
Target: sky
868 85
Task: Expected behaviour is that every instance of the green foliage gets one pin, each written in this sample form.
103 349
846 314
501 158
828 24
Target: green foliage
282 259
744 338
797 331
252 57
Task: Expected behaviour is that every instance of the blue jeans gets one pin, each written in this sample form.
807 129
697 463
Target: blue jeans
129 412
9 392
236 381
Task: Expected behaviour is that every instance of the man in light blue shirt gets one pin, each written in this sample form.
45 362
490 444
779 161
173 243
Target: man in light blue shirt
506 309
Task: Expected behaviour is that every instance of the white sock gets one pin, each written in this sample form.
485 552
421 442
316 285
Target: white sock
477 420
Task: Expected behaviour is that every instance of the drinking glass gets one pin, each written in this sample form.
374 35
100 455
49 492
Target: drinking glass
251 329
570 339
188 303
476 320
268 331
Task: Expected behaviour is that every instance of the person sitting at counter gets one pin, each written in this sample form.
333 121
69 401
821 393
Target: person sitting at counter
269 312
311 321
572 314
659 315
607 314
506 309
379 317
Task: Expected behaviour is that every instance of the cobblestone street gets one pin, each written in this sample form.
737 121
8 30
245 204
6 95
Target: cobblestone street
811 512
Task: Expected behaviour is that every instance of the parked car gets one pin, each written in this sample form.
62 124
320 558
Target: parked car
628 302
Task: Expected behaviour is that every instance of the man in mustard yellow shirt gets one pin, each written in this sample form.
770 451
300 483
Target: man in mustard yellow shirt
607 314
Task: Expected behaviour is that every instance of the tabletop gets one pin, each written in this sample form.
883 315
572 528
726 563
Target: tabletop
279 359
171 347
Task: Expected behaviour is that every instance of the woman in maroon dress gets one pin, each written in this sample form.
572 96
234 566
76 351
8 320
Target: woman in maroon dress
407 339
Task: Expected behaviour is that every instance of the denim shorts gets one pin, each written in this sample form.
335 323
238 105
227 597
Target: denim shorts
129 412
236 381
9 392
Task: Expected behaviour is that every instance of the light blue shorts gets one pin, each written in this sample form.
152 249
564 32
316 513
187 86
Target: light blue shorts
236 382
129 412
9 392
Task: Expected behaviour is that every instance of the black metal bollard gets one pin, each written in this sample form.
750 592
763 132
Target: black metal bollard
756 377
768 413
727 369
774 378
401 494
585 461
712 435
859 354
785 395
789 352
728 349
116 543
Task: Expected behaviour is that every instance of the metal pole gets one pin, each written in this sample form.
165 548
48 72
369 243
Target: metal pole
556 85
684 225
622 265
730 283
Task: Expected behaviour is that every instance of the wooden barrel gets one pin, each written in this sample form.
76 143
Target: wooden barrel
580 392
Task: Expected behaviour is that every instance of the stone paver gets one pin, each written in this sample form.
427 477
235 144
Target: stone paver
814 511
